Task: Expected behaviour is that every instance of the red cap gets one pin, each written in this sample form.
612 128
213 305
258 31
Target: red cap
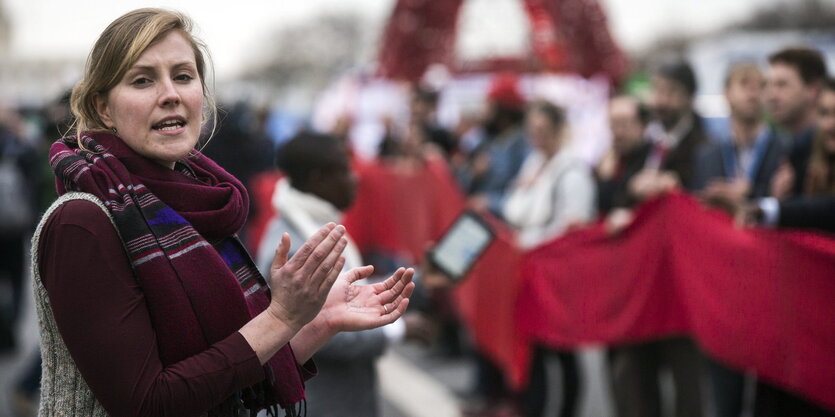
504 91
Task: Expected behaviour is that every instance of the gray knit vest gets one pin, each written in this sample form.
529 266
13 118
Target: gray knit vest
63 390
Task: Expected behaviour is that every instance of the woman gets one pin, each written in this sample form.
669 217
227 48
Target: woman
554 189
148 304
820 176
553 192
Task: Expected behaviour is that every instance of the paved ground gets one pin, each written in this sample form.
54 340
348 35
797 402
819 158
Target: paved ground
449 381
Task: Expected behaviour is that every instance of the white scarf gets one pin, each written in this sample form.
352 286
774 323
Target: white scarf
308 213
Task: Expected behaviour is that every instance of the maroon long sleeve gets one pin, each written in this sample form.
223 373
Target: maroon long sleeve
102 316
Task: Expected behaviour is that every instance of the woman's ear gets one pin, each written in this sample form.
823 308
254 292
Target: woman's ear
102 109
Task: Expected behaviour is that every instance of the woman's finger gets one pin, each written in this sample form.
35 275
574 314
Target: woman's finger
389 282
281 251
359 273
324 252
396 290
327 267
299 259
327 283
394 304
392 286
394 311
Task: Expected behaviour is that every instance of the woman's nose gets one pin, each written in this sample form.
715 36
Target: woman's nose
169 95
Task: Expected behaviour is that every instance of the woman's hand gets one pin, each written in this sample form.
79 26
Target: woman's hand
782 182
351 307
301 285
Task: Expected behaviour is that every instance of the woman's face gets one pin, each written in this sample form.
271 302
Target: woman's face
157 106
826 120
542 134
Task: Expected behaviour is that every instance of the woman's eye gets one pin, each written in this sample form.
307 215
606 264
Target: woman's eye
184 77
140 81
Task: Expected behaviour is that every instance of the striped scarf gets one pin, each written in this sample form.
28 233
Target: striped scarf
178 227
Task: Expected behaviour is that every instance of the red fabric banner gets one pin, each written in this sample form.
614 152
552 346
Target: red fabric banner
755 299
400 208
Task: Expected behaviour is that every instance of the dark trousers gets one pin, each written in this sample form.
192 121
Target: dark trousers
11 270
728 388
536 396
635 383
489 379
775 402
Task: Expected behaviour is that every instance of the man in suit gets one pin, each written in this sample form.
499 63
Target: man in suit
735 167
740 164
675 134
807 212
676 131
795 81
628 120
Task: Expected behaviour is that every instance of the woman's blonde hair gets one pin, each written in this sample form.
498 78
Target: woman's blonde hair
115 52
820 175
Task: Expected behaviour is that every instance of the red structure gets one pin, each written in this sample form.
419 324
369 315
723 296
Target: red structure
569 36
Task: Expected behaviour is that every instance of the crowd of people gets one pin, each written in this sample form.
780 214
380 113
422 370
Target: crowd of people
771 164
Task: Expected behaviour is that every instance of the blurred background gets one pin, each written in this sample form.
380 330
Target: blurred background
348 67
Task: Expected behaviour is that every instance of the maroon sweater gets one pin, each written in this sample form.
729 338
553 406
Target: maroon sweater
102 316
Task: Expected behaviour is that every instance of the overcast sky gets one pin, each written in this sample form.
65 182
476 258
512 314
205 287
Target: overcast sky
42 28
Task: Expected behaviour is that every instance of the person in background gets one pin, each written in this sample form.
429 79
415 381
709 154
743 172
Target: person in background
676 132
734 168
19 175
740 164
58 120
553 192
628 119
242 147
795 80
422 109
814 211
494 162
820 175
318 187
486 177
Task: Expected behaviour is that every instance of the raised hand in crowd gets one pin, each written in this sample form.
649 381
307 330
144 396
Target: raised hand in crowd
748 214
607 168
727 195
618 219
420 329
782 183
650 183
478 203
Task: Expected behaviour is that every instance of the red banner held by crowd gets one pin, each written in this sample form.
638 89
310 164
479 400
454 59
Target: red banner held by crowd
756 299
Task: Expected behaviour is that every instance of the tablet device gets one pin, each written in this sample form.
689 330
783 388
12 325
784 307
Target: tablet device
461 246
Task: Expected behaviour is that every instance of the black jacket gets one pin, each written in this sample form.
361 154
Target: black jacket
808 213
